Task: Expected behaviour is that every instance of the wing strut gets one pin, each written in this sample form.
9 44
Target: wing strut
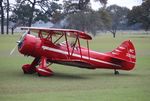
74 46
88 49
67 45
79 47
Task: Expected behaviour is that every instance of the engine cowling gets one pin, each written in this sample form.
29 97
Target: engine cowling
29 45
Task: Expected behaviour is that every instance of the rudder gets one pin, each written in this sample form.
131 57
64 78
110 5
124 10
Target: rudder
125 51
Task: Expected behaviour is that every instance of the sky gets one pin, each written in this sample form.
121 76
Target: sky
123 3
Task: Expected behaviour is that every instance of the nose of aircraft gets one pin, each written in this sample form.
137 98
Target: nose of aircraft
26 44
19 43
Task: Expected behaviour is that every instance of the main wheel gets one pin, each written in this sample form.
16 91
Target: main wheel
27 69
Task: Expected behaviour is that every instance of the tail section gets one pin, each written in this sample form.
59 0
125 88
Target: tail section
125 52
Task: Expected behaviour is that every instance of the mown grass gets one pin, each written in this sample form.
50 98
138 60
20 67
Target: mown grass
75 84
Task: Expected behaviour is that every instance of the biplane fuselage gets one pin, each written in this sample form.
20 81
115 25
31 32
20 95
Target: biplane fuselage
45 50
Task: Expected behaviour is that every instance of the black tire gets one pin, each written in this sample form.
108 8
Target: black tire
116 72
24 72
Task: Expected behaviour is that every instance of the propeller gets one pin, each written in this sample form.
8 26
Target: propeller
12 51
19 42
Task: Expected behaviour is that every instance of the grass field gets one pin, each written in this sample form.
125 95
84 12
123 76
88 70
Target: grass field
75 84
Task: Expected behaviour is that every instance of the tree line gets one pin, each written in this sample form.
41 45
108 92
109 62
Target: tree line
75 14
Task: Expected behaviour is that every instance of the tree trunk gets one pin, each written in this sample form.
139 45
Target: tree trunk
113 31
114 35
147 28
2 17
32 11
7 27
12 31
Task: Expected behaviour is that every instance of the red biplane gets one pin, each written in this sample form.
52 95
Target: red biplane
46 49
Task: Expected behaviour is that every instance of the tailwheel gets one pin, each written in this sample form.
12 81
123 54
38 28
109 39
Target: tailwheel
116 72
39 74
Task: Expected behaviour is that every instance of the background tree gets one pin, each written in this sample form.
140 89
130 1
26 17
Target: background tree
77 21
40 15
52 10
21 14
7 28
32 4
105 18
140 14
91 21
76 5
119 17
2 16
7 8
25 13
80 16
98 21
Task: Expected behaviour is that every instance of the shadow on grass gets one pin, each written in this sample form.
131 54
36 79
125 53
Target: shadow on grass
112 75
58 75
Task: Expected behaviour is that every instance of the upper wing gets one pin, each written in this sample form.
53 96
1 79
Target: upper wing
68 32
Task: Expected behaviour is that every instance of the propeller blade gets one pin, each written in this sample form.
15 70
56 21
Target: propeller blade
12 51
21 39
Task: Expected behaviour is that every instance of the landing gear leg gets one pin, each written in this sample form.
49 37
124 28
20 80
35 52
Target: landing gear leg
43 69
116 72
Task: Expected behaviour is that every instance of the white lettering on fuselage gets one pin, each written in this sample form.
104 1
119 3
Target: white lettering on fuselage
122 47
130 55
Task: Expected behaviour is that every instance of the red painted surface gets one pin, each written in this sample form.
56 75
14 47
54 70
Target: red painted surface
44 50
